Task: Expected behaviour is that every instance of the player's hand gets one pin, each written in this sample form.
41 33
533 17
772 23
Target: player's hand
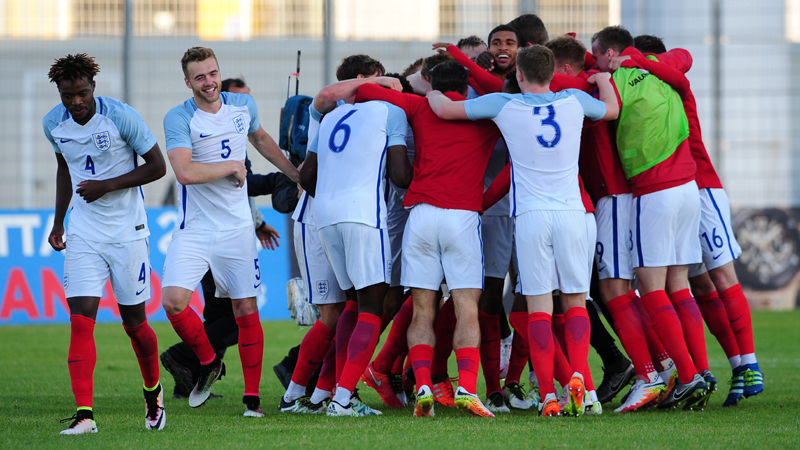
91 190
388 82
486 61
616 62
268 236
55 239
441 45
420 85
240 174
599 76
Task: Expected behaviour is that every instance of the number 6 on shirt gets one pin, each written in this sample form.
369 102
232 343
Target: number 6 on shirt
340 125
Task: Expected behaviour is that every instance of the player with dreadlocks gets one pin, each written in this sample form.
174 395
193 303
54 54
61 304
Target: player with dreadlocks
97 142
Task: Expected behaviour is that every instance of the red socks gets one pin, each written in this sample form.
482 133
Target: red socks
562 371
190 329
344 329
397 342
420 358
81 359
490 350
716 317
360 349
558 323
327 374
692 324
739 318
145 346
520 352
578 330
628 322
444 326
540 340
316 344
668 327
468 359
251 351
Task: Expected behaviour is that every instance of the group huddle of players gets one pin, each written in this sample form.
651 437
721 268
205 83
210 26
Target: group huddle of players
530 159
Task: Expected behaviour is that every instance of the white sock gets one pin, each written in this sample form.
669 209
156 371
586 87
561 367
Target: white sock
749 358
319 395
593 396
342 396
667 364
293 392
735 361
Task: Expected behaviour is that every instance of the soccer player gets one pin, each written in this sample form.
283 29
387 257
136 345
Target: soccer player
666 208
206 142
500 58
345 171
98 141
530 30
542 131
472 46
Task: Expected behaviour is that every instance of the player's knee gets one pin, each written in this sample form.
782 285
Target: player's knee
172 300
723 277
702 284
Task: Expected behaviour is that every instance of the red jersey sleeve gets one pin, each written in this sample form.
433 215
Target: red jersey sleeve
407 102
664 72
498 189
485 81
677 58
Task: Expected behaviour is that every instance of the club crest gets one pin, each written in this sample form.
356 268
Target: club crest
322 287
238 122
66 280
102 140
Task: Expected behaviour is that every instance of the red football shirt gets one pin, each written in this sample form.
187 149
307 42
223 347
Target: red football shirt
450 156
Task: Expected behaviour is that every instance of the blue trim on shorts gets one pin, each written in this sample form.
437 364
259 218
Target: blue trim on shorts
183 205
302 209
639 231
305 257
722 221
378 192
383 257
483 264
615 236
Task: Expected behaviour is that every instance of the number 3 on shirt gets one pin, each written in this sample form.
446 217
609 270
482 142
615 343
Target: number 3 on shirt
340 126
551 121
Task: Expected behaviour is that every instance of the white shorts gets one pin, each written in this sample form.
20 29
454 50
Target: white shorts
664 227
358 253
497 233
396 218
442 243
552 250
231 255
88 265
716 234
591 239
614 237
317 273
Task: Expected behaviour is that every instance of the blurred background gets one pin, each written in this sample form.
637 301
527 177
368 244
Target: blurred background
746 61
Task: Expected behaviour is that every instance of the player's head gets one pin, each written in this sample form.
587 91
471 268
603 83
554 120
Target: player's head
608 43
450 76
471 46
407 89
569 54
647 43
359 66
201 73
413 68
535 64
511 85
530 29
74 78
432 61
235 85
503 44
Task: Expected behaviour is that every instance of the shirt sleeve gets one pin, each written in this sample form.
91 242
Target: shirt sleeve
396 126
592 108
313 128
252 108
313 113
49 136
486 107
133 130
369 92
176 129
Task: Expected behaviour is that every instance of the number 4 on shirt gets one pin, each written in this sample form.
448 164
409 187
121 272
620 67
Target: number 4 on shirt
89 164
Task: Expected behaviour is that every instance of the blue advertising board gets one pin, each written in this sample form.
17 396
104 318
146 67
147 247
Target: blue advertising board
31 272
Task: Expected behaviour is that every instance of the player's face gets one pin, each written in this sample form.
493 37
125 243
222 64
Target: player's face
239 90
204 80
602 58
78 97
503 48
473 52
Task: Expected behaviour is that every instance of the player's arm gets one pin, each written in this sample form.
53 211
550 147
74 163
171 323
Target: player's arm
308 174
63 197
664 72
265 145
153 168
400 170
606 95
369 92
446 108
326 100
190 172
486 81
498 189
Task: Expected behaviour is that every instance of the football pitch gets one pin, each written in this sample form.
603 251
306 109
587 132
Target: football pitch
35 394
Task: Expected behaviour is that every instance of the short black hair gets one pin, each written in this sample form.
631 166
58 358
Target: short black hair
450 76
407 89
235 82
647 43
470 41
73 68
504 27
616 37
354 65
530 29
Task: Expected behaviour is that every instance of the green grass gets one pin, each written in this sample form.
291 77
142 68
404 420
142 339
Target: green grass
35 394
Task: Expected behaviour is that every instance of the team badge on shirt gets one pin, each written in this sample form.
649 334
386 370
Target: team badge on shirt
66 280
238 122
102 140
322 287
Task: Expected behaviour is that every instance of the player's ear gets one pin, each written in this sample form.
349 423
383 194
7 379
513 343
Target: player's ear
93 85
186 80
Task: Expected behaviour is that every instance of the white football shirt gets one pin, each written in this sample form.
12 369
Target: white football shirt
107 146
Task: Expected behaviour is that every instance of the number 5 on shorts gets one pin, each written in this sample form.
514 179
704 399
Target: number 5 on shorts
258 274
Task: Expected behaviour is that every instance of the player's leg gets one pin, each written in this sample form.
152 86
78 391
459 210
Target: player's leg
490 308
380 374
421 340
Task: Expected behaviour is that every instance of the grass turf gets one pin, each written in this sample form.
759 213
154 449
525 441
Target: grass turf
36 393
